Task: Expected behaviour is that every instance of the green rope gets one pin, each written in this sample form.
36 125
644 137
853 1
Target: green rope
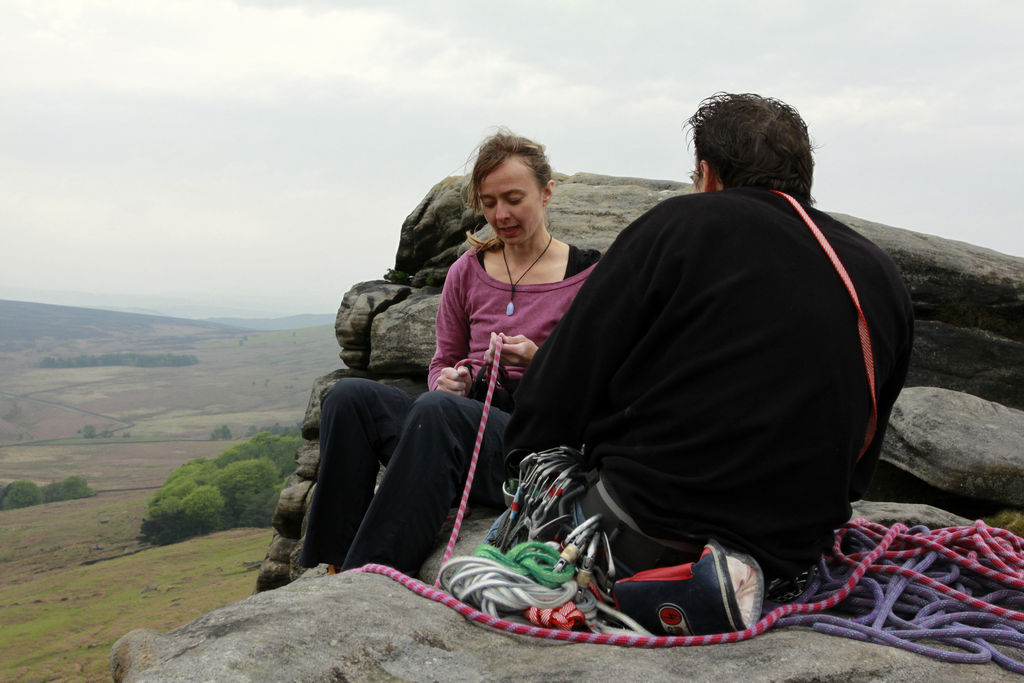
533 559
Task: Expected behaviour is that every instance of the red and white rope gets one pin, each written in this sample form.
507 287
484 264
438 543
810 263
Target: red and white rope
464 502
862 323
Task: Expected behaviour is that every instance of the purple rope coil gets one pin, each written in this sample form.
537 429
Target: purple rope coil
899 602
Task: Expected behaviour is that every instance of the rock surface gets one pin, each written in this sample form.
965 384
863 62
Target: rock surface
586 209
943 274
361 627
433 234
358 308
402 337
972 361
958 443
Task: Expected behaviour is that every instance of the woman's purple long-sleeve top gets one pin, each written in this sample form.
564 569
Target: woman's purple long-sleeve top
473 305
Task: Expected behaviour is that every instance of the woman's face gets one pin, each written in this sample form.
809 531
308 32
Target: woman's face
513 203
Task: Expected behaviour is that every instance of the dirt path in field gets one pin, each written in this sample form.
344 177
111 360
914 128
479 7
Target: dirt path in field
61 406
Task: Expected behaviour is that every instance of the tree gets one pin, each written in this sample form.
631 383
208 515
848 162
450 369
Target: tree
256 509
240 487
74 487
70 488
186 479
277 449
222 433
21 494
165 521
203 509
244 485
51 492
89 431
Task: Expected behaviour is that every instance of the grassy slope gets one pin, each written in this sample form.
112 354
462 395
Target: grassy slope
75 577
62 605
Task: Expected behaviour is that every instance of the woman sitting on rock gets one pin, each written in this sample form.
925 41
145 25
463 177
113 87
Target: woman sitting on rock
517 285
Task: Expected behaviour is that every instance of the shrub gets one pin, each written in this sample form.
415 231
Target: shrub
71 488
1010 519
222 433
240 487
203 509
280 450
74 487
241 484
21 494
165 522
51 492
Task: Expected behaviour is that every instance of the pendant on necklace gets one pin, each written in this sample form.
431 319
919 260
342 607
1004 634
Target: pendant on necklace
510 309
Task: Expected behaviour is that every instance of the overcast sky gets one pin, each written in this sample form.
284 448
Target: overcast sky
261 156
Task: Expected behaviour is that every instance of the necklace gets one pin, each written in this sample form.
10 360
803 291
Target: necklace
510 309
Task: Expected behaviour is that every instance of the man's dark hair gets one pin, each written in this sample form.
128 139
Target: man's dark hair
750 140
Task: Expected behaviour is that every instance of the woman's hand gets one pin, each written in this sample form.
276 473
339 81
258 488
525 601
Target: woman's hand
455 380
515 350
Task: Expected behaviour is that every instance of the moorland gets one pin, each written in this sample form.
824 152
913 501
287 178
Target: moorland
76 576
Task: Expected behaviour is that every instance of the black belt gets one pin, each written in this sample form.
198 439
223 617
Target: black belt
632 547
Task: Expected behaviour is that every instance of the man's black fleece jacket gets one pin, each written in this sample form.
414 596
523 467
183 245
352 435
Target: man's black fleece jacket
712 370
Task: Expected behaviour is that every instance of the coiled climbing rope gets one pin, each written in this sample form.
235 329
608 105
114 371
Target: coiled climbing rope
954 594
510 583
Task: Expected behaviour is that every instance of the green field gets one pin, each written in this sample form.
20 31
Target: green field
76 578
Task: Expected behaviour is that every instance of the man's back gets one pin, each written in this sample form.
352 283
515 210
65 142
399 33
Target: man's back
714 372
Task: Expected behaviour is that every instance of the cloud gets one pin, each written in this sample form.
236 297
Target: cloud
272 149
199 48
216 49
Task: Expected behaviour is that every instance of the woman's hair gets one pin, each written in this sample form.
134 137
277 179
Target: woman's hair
490 154
750 140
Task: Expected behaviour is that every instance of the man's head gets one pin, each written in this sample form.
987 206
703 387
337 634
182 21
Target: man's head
748 140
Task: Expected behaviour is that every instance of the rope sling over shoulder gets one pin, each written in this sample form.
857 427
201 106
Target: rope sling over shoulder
862 324
958 589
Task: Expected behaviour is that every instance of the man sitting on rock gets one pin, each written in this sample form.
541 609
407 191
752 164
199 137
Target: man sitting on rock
713 368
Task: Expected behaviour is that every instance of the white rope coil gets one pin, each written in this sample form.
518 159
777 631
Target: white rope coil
496 589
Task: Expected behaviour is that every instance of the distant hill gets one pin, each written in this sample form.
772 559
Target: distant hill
291 322
22 321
